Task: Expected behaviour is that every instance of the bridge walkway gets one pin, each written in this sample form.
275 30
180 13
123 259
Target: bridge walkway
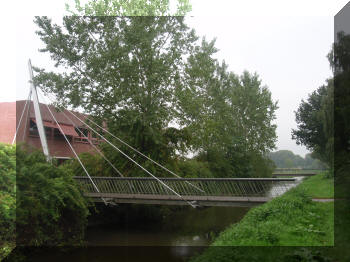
199 191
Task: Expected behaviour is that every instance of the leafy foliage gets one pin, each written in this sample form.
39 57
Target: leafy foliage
339 59
7 197
50 207
315 123
327 109
287 159
230 117
125 71
153 85
129 8
94 164
289 220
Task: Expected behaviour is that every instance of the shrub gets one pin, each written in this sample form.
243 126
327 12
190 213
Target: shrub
94 164
50 207
193 168
7 198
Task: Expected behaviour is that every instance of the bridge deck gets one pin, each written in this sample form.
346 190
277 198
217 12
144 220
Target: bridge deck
175 200
202 191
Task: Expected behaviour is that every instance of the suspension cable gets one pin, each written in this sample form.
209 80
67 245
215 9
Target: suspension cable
71 147
137 151
20 119
96 149
132 160
26 121
124 143
192 205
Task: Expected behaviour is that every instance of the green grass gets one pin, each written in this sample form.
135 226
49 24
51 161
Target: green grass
318 186
289 220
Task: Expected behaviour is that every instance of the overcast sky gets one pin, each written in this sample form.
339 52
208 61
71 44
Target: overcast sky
284 42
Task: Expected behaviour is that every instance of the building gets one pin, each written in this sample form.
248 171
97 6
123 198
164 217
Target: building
10 114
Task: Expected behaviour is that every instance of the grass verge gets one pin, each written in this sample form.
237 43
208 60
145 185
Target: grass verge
318 186
290 220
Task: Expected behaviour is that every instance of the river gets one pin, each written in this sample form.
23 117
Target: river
176 237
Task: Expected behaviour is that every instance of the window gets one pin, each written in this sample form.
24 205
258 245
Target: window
94 135
83 135
33 129
82 130
58 135
48 131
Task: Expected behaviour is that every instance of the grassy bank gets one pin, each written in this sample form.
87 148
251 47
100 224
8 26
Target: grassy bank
290 220
318 186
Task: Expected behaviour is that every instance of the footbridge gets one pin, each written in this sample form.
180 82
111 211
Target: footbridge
151 189
197 191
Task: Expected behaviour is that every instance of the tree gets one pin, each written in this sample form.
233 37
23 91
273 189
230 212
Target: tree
143 74
129 8
123 70
339 59
7 198
230 117
315 123
287 159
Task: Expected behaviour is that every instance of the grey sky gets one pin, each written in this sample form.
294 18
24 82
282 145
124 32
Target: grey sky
285 42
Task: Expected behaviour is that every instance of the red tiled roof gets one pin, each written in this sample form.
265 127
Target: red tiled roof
10 113
46 116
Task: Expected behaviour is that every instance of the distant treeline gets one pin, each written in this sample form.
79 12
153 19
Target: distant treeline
287 159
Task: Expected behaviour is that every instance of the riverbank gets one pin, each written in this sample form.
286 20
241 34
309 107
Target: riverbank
289 220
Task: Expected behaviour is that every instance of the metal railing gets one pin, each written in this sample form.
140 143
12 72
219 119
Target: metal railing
296 171
247 187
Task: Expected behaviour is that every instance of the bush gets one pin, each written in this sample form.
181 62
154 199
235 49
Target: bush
289 220
94 164
50 207
193 168
7 198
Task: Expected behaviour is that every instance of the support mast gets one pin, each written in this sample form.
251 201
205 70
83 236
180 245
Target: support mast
38 118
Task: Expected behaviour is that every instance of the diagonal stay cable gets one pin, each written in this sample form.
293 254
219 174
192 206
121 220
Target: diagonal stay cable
121 141
97 150
26 121
132 160
75 154
20 119
137 151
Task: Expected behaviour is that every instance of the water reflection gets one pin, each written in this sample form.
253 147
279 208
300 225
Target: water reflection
187 227
281 187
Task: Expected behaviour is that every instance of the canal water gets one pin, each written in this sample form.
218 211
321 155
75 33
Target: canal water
180 234
186 227
177 237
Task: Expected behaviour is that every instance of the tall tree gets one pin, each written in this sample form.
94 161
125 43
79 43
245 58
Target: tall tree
142 74
129 8
314 118
339 58
230 117
123 70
